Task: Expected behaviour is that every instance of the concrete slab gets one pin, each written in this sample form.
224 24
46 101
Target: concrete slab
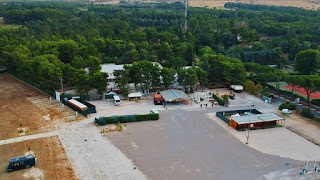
276 141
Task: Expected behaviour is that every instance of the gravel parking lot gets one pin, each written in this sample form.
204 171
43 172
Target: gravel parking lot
188 143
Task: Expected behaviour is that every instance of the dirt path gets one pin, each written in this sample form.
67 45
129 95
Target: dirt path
30 137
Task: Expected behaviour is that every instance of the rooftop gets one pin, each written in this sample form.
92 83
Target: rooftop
254 118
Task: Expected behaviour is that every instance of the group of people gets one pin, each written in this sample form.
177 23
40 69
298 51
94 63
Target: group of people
206 104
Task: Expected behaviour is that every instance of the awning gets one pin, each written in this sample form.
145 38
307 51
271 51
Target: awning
174 95
255 118
134 95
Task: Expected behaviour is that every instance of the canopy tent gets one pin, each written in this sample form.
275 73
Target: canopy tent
173 95
135 95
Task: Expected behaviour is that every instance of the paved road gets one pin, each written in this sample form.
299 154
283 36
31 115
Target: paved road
189 145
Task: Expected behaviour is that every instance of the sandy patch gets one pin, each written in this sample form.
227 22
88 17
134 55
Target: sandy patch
34 173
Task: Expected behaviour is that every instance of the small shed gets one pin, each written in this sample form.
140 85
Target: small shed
135 96
255 121
173 95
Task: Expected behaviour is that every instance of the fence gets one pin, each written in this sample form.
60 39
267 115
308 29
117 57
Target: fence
303 135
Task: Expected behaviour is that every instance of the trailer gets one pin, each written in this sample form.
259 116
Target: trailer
237 88
77 104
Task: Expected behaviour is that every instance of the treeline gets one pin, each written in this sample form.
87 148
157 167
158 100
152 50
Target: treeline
283 9
53 41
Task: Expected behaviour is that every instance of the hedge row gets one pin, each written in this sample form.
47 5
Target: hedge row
218 99
287 105
126 118
307 113
316 102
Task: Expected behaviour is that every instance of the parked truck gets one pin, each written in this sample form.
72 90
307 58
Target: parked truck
158 99
21 162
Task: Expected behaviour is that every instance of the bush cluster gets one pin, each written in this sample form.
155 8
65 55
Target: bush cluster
316 102
307 113
287 105
218 99
126 118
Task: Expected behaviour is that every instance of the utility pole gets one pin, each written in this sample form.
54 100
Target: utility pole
61 83
249 123
185 25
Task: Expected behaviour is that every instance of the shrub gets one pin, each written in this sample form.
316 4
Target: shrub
225 98
126 118
218 99
287 105
316 102
307 113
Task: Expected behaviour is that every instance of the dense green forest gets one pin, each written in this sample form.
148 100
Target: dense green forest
43 43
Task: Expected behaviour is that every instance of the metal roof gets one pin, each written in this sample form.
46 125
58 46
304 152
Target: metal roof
173 94
254 118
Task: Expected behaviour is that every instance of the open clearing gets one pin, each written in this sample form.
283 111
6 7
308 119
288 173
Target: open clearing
220 3
52 162
307 4
22 104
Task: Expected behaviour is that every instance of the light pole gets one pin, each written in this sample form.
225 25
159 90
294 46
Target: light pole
249 124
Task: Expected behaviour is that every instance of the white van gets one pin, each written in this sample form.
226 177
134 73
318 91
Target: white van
117 100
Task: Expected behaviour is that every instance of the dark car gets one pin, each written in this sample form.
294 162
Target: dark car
232 97
21 162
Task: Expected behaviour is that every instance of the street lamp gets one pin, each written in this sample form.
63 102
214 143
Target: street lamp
251 105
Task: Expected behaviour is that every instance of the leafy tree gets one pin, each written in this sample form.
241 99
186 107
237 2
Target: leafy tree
167 75
99 81
122 78
202 77
82 80
187 77
155 76
249 86
67 49
308 61
310 83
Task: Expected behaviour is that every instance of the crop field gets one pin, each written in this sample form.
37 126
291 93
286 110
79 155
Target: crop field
307 4
315 4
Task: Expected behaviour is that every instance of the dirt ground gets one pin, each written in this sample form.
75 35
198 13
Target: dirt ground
23 105
52 162
220 3
308 4
301 125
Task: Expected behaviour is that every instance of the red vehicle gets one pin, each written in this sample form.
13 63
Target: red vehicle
158 99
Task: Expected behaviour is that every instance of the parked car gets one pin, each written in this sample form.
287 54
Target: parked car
232 97
21 162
